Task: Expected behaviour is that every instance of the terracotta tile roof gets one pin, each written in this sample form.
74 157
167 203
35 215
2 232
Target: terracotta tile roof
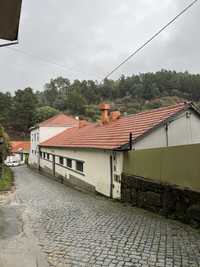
20 146
114 134
59 121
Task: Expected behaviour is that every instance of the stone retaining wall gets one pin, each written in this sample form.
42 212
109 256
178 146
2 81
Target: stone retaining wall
167 200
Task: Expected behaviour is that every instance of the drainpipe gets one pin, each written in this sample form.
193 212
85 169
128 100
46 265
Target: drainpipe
130 141
166 132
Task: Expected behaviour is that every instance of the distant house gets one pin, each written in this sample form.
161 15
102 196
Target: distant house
92 156
45 130
19 152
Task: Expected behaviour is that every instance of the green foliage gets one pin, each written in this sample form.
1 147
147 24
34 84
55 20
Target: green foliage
76 103
7 181
23 110
127 94
44 113
5 147
5 104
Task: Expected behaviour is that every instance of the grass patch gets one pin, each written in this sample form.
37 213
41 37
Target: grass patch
7 181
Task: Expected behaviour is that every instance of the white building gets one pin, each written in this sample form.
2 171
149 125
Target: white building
19 152
46 130
91 157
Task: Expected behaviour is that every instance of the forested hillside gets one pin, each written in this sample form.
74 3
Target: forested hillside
81 98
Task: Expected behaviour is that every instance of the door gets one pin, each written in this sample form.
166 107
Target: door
116 180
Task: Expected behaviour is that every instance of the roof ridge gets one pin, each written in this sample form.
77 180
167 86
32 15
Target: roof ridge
186 103
55 119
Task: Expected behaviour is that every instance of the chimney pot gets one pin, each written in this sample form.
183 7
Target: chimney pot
104 112
115 115
104 106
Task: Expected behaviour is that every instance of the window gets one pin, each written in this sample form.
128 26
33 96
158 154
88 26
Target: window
79 166
61 160
48 156
117 178
40 154
69 163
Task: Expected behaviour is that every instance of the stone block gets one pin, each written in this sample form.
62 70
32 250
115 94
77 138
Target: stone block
193 213
149 200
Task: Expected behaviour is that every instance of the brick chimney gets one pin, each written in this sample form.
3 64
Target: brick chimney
115 115
104 112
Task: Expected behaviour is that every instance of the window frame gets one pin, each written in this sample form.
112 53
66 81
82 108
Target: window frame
67 161
61 160
77 166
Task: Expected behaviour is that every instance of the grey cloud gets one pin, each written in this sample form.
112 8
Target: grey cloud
90 37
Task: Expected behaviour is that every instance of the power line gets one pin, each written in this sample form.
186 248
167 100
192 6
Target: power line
38 58
9 44
149 40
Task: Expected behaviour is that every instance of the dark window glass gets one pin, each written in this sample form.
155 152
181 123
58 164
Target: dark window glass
69 163
61 160
48 156
79 166
40 154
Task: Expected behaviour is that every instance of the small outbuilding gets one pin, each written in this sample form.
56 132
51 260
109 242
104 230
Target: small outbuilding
19 152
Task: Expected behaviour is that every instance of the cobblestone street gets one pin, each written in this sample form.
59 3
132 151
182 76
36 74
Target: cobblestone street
78 229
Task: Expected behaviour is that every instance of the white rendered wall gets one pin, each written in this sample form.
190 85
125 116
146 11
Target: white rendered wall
33 153
96 167
40 135
48 132
182 131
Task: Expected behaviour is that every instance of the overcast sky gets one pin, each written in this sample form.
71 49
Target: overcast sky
87 38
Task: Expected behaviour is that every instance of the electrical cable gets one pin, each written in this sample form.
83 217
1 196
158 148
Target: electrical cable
149 40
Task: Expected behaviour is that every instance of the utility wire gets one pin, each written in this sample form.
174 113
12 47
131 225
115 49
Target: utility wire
38 58
149 40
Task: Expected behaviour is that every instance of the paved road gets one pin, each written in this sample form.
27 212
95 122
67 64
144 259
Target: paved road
79 229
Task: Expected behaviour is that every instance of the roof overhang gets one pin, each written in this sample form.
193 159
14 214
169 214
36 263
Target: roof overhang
9 19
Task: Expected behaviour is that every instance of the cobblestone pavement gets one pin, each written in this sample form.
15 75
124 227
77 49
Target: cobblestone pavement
79 229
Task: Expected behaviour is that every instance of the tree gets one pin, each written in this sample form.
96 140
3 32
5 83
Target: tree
5 104
76 103
23 110
44 113
4 148
56 88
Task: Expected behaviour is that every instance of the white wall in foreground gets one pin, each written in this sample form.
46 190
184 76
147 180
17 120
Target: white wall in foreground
96 166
